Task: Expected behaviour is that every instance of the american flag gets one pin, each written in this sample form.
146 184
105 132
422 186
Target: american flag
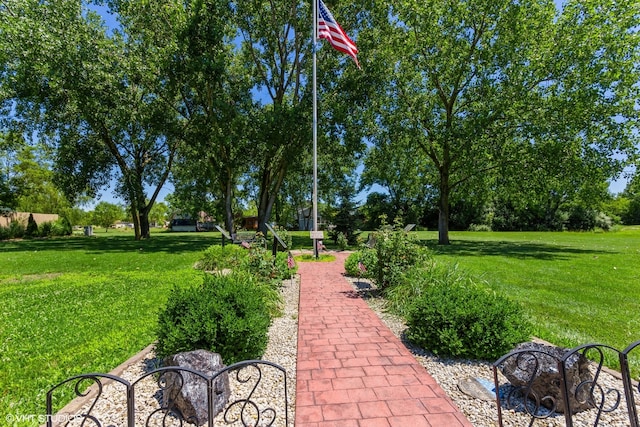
361 267
290 262
328 28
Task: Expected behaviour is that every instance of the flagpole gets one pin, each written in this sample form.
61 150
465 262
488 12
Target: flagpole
315 130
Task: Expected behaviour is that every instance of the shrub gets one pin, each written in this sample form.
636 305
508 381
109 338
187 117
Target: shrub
62 227
368 259
285 237
45 229
218 258
341 241
396 252
226 314
479 227
16 230
281 267
463 319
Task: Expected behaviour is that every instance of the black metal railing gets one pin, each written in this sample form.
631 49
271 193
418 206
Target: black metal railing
592 397
258 396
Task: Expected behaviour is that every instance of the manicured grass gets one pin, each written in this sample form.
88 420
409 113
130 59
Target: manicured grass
79 305
578 288
312 258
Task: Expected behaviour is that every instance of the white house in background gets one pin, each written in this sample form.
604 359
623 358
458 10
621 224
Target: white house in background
305 219
122 224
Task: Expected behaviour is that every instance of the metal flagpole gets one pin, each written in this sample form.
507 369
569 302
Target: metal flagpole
315 132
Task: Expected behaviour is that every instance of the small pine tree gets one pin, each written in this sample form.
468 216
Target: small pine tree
32 227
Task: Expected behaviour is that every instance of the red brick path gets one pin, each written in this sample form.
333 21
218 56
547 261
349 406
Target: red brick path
352 371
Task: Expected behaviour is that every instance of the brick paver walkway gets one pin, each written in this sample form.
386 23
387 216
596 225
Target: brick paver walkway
352 371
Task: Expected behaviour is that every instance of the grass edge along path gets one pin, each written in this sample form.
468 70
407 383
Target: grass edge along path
578 288
93 305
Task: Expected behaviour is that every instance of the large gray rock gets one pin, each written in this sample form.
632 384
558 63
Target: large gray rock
188 392
541 370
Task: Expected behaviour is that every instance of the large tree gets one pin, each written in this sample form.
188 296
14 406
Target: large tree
209 91
88 90
276 48
479 85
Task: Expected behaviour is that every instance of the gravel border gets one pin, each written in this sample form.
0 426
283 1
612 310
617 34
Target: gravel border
282 350
481 413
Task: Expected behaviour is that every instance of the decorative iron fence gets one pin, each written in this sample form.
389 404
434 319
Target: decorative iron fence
258 396
566 393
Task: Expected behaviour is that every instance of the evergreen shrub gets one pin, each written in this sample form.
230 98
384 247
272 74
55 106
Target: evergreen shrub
227 314
341 241
459 318
368 259
32 227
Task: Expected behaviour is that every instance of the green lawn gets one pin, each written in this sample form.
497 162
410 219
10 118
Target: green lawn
79 305
578 288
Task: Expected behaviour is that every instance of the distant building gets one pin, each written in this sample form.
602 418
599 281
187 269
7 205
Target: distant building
183 224
305 220
250 222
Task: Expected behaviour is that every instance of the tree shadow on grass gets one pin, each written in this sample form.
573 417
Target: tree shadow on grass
510 249
165 242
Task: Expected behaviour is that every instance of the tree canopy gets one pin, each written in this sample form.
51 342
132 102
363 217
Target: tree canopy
484 106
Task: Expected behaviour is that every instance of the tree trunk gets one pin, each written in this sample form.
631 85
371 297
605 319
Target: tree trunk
228 207
136 221
145 232
268 193
443 214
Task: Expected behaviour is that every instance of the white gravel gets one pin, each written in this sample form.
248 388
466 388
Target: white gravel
282 350
481 413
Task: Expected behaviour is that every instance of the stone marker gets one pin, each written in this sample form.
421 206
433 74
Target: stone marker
540 368
188 392
478 388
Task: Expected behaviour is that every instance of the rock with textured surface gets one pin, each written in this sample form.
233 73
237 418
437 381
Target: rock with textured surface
537 368
187 392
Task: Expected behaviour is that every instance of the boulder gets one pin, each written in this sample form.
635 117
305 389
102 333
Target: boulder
187 392
540 369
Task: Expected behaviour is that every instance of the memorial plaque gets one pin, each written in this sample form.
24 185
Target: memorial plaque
275 235
223 232
317 235
477 387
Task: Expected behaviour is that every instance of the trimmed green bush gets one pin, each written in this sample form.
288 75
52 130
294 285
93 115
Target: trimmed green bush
216 258
227 314
463 319
368 259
